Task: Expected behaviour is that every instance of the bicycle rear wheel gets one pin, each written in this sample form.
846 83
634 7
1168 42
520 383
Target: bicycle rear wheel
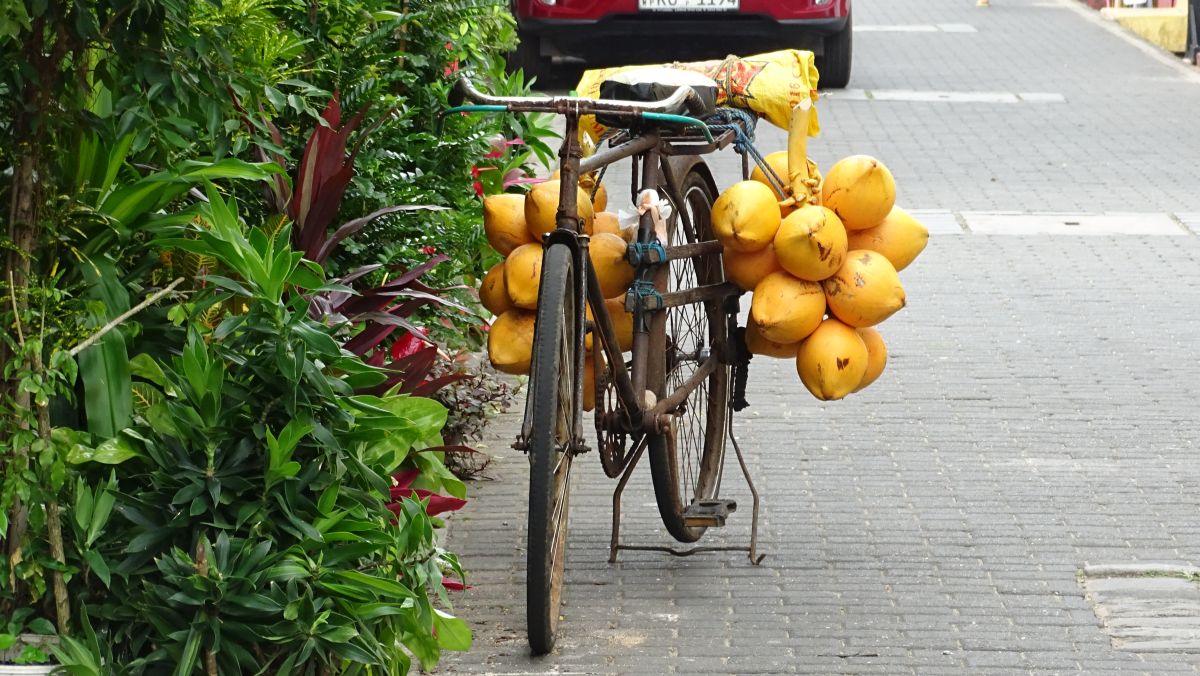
552 391
686 462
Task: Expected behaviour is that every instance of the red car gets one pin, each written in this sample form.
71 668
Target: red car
624 32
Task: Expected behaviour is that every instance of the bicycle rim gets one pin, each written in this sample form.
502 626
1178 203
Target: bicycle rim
551 396
687 466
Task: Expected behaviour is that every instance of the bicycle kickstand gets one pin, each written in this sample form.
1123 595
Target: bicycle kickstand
615 544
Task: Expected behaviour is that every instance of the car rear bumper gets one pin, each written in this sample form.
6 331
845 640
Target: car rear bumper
627 38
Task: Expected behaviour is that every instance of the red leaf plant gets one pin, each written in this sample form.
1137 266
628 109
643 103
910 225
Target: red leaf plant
437 504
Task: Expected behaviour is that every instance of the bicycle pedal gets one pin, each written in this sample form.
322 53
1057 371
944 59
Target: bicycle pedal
710 513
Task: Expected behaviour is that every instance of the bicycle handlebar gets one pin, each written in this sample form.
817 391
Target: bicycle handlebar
581 105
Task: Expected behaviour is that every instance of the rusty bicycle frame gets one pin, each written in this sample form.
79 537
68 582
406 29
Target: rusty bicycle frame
640 413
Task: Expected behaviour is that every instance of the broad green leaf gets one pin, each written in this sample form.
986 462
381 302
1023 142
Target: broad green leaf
127 204
144 366
309 275
104 367
452 633
42 626
424 647
113 451
108 394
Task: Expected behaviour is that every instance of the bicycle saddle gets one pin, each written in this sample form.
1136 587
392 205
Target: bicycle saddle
655 84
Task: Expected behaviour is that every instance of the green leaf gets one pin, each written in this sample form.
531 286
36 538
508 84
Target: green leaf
309 275
127 204
451 632
328 499
144 366
275 97
146 540
104 503
104 367
191 652
111 452
198 172
354 653
83 504
227 283
339 634
116 159
98 565
384 586
288 570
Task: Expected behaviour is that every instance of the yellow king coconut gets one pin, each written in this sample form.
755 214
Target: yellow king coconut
778 161
811 243
523 275
510 341
876 356
860 190
600 198
541 207
900 238
832 361
590 363
768 348
746 216
606 221
865 291
749 268
622 324
607 252
787 309
493 292
504 222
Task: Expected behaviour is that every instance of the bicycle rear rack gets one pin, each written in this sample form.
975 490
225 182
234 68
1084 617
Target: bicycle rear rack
700 513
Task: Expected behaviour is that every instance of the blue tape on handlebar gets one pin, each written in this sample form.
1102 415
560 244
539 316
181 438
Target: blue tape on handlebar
477 109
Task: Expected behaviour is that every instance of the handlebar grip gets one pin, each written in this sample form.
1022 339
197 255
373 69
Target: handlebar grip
694 104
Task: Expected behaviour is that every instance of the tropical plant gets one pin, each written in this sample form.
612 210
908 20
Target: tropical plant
276 551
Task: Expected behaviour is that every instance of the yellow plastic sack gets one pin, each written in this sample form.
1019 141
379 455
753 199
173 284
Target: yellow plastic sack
768 84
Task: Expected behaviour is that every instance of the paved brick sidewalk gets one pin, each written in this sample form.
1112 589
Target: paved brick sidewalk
1038 413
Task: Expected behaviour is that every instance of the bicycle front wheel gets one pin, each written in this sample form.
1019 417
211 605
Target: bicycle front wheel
553 386
686 461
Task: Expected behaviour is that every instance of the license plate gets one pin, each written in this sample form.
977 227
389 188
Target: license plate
689 5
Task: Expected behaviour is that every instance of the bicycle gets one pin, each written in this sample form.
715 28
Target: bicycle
673 396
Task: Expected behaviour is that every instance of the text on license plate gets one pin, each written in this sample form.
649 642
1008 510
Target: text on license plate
688 5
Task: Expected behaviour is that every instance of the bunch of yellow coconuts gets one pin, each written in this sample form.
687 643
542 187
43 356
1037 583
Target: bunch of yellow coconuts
822 264
514 225
823 270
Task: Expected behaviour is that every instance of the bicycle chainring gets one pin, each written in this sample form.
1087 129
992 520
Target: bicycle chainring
612 440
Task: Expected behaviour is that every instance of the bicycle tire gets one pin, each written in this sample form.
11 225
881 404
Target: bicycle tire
690 468
551 398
